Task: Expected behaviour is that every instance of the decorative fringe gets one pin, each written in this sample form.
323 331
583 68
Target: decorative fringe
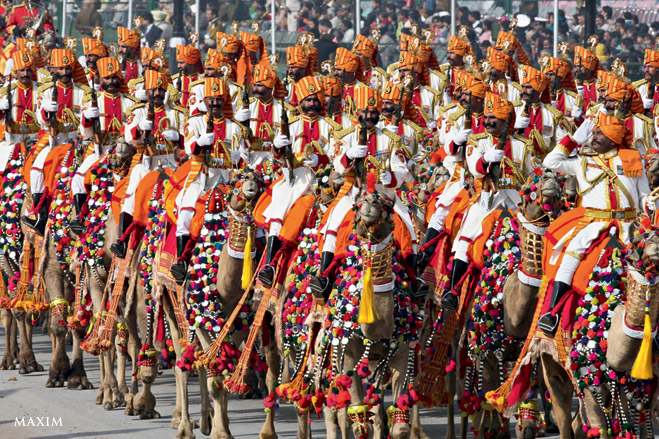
367 312
105 337
248 264
642 369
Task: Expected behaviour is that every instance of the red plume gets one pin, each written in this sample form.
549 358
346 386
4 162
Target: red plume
370 182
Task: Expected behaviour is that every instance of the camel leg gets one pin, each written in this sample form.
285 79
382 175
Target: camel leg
133 348
99 397
10 358
330 415
451 387
399 430
60 366
561 390
273 359
78 377
303 425
596 417
206 421
112 397
417 428
27 361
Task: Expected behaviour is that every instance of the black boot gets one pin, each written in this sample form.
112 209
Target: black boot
180 269
267 273
419 287
77 225
451 299
120 247
424 257
39 223
549 322
320 285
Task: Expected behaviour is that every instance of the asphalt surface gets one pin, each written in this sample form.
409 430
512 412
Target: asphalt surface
61 413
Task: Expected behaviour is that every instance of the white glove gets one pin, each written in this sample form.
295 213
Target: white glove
522 122
50 106
312 161
650 204
385 178
462 136
392 128
583 133
648 103
357 151
145 125
206 139
140 94
493 155
244 153
4 104
576 113
171 135
579 89
201 106
603 110
91 113
235 156
243 115
281 141
97 87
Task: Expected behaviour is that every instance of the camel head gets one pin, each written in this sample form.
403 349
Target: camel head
645 246
570 189
329 184
427 178
541 196
374 216
124 152
246 187
653 170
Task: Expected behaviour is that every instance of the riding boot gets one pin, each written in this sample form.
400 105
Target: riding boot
419 287
39 223
180 269
320 284
120 247
77 225
451 299
424 256
267 273
549 322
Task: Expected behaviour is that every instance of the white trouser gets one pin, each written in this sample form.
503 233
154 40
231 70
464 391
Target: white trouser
259 157
139 172
443 204
78 180
186 200
37 185
8 144
285 195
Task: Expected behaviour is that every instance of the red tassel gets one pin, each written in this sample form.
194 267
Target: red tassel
370 182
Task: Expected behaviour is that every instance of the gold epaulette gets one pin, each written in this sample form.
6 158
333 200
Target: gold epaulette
644 118
289 107
433 91
132 98
571 93
555 112
178 75
334 124
180 109
83 87
445 108
173 93
523 139
640 82
516 85
293 119
43 87
135 107
418 129
252 100
3 90
382 72
394 137
45 72
457 114
194 83
392 68
519 103
475 138
86 97
133 82
344 132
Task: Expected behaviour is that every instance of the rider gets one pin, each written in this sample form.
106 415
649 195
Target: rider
586 66
129 48
502 76
650 67
188 59
612 184
93 49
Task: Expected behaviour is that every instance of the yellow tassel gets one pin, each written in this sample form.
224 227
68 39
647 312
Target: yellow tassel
367 313
642 369
248 264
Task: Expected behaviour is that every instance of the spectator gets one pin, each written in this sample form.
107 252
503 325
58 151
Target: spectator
214 26
151 31
474 18
348 32
159 20
292 10
88 18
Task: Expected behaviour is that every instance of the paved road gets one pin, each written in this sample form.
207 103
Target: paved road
26 397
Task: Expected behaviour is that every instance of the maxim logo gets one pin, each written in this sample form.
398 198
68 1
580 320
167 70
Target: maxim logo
38 421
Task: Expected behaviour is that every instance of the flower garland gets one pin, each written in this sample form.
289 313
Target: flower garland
60 210
587 358
11 202
89 246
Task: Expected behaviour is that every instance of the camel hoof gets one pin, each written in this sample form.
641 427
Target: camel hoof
54 382
185 434
99 398
79 383
529 433
206 424
150 415
22 370
272 435
107 405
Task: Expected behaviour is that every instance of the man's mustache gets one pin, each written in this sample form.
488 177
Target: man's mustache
490 125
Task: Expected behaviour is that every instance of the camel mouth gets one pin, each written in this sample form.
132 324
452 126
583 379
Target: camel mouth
249 193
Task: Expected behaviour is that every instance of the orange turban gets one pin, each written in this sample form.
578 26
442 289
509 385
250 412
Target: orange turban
22 60
620 90
332 86
346 60
428 56
188 54
109 66
538 81
270 79
391 92
603 78
560 68
495 104
33 48
296 56
367 98
313 60
92 46
410 61
217 87
586 58
154 79
128 37
500 60
615 130
253 43
475 86
367 48
308 86
651 57
458 46
146 55
228 43
66 58
507 42
215 58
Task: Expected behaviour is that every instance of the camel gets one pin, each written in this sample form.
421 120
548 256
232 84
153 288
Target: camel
229 299
421 192
358 348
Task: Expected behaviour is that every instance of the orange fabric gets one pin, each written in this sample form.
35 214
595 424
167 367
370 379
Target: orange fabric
347 60
94 47
253 43
475 86
402 236
410 61
296 56
188 54
585 57
620 90
270 79
561 68
109 66
32 156
24 59
332 86
535 77
477 248
366 97
458 46
228 43
432 202
508 43
391 92
455 215
651 57
88 175
128 37
498 106
307 86
296 219
632 162
154 79
66 58
118 197
500 60
216 87
366 47
615 130
172 188
53 161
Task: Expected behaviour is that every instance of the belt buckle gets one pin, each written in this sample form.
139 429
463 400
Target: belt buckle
618 215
